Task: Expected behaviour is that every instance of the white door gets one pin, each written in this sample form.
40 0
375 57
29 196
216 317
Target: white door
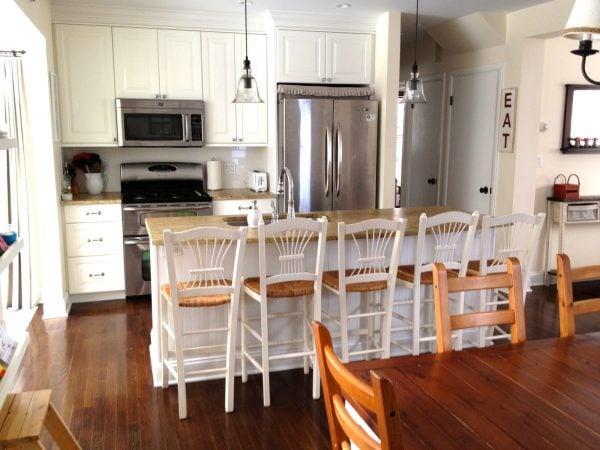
251 118
422 149
219 87
180 64
86 84
136 63
472 119
349 58
301 56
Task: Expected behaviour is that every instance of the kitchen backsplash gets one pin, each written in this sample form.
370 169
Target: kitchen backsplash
236 162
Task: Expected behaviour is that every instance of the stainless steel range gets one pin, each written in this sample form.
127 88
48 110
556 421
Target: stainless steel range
155 190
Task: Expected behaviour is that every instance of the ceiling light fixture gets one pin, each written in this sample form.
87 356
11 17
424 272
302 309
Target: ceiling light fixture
584 26
343 5
413 91
247 91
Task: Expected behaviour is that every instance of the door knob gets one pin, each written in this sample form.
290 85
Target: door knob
484 190
431 180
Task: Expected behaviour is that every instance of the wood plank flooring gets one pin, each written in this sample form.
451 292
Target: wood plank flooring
96 363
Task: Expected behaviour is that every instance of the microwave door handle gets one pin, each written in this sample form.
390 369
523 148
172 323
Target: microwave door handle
186 127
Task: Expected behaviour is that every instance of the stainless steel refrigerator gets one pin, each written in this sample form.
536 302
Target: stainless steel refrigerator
330 147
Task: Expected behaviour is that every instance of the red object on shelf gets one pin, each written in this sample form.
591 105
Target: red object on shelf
566 190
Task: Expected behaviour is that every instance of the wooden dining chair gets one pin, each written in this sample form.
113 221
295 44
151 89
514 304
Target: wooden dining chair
341 387
514 315
567 308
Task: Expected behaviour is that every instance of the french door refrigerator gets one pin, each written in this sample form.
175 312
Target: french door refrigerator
330 147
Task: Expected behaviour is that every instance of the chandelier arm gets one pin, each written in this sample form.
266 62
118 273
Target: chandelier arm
585 75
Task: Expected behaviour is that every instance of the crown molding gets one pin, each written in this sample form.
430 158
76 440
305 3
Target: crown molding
77 13
319 21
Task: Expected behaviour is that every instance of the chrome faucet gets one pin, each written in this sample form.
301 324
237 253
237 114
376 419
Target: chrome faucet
274 211
285 172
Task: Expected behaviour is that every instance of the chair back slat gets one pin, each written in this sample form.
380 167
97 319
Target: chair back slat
341 387
445 323
567 308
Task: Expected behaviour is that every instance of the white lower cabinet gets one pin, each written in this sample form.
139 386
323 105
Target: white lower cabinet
94 237
240 206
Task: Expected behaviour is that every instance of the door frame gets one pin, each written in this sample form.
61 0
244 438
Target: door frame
443 195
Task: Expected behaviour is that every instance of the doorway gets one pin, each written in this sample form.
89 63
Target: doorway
471 143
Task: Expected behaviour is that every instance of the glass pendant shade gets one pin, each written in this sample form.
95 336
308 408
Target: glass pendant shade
413 91
247 90
584 21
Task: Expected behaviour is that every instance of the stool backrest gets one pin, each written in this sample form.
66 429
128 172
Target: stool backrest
292 259
567 308
204 261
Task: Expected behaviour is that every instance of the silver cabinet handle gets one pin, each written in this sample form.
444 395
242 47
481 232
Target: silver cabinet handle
186 127
328 162
156 95
240 139
340 158
244 207
164 96
96 240
92 213
96 275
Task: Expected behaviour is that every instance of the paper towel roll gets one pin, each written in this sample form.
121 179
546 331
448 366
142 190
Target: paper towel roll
213 173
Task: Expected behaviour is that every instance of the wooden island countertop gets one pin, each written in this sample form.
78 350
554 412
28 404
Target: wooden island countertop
157 225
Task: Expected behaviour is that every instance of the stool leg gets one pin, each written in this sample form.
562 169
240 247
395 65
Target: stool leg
305 331
231 343
316 303
243 342
264 343
344 325
59 430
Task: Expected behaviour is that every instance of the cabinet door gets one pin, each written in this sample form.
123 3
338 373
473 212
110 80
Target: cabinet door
86 84
136 63
349 58
219 85
240 207
93 239
251 118
96 274
301 56
180 64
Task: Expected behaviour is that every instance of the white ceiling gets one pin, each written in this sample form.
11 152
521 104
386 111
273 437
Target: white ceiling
431 11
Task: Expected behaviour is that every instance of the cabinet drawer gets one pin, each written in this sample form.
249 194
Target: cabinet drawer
93 213
92 239
582 212
96 274
240 207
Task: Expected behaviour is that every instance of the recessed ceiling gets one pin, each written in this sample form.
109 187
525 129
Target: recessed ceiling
431 11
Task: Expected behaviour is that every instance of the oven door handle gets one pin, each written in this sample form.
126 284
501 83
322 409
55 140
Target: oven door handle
166 208
137 240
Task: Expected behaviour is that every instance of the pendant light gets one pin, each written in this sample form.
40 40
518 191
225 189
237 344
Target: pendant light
584 26
247 91
413 91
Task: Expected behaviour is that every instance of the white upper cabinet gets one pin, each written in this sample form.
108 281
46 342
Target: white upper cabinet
320 57
157 63
86 84
229 123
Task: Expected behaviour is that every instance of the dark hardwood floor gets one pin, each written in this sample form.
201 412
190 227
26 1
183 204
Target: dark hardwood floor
96 363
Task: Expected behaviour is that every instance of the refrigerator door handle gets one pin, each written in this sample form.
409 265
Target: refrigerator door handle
340 158
329 161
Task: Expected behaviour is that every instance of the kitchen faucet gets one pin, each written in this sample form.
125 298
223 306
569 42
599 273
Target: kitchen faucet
285 172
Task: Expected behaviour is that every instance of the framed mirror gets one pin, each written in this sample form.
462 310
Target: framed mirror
581 128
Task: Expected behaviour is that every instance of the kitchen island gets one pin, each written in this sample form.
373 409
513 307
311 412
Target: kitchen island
249 267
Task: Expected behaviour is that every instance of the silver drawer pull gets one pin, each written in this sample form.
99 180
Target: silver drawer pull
96 240
96 275
97 213
244 207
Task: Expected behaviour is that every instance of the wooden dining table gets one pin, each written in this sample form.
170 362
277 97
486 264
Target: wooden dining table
541 394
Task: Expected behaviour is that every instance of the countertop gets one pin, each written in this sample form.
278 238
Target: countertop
157 225
89 199
239 194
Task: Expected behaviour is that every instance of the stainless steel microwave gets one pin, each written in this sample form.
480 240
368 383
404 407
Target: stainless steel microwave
160 123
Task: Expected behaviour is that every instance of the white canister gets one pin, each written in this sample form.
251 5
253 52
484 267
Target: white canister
94 182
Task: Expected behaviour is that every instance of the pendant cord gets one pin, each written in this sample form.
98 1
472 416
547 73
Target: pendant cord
416 28
246 25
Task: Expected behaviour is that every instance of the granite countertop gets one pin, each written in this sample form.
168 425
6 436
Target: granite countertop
157 225
89 199
239 194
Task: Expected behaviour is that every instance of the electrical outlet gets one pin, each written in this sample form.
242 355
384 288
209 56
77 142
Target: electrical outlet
540 160
230 168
